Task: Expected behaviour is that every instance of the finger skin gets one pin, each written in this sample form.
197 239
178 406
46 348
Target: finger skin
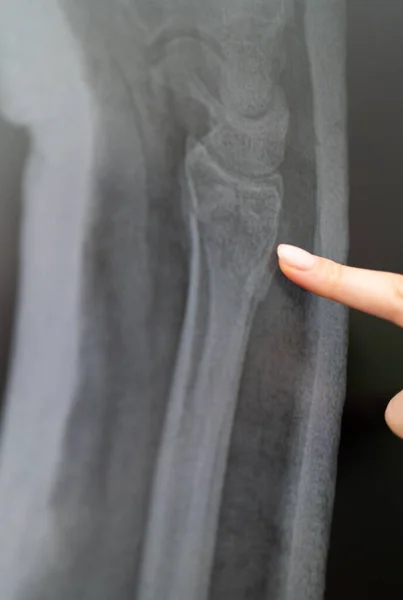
374 292
394 414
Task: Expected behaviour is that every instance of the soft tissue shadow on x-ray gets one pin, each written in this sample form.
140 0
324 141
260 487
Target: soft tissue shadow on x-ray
13 153
366 545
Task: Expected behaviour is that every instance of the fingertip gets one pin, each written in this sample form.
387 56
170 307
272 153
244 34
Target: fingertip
394 415
295 257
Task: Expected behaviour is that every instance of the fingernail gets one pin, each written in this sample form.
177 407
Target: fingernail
296 257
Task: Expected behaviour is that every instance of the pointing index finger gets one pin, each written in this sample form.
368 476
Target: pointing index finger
374 292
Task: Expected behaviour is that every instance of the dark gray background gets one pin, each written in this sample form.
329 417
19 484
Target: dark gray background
366 555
